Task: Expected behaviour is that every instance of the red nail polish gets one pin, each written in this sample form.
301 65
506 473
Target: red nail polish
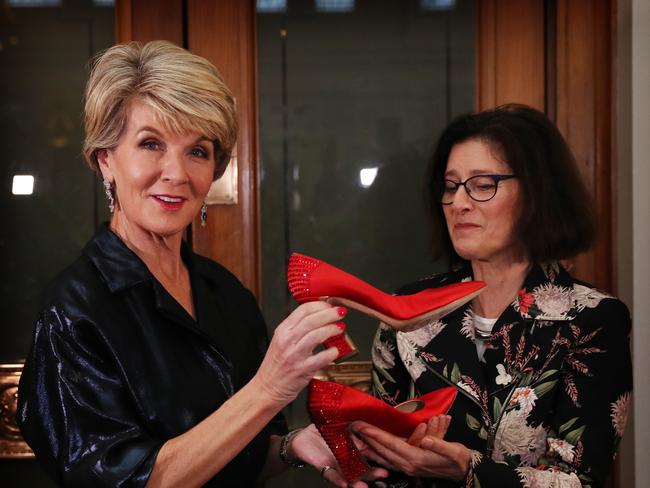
342 311
341 325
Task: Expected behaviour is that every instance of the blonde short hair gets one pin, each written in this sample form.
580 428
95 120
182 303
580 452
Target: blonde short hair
186 90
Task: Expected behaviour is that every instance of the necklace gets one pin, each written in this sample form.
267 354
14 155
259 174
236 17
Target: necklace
482 335
482 327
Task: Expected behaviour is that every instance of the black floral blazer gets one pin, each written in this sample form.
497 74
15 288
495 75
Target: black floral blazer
548 404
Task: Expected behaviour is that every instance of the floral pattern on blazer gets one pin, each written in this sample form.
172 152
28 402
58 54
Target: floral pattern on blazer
548 404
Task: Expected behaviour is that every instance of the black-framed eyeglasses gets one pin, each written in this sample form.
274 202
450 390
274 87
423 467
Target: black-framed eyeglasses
480 188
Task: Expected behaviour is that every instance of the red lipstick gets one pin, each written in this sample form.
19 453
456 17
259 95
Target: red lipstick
170 202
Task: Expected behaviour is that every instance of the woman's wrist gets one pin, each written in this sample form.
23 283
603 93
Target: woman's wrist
287 456
266 394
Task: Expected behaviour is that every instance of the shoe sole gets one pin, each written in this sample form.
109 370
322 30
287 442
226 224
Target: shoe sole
406 325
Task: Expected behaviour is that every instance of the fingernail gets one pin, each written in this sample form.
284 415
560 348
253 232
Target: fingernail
341 325
342 311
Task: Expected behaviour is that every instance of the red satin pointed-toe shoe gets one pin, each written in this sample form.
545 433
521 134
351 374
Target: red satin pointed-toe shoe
333 406
311 279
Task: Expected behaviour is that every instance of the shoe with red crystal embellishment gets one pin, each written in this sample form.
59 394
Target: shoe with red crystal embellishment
311 279
333 406
344 344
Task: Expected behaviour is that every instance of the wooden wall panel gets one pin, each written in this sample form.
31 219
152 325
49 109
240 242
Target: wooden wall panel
510 53
148 20
223 31
557 56
583 107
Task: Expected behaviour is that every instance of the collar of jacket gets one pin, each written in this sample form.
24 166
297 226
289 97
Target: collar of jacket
120 267
546 295
547 292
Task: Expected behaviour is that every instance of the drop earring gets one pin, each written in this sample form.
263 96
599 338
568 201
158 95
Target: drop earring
204 214
108 189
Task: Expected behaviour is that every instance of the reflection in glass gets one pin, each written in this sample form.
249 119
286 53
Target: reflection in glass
22 185
334 5
45 47
34 3
350 106
437 4
268 6
367 176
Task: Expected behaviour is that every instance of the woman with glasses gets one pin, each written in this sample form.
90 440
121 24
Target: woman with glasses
541 360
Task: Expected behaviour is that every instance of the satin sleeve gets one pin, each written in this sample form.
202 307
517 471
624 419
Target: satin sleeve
74 409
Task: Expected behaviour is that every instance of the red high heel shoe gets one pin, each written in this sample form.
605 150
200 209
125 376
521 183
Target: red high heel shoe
311 279
333 406
344 344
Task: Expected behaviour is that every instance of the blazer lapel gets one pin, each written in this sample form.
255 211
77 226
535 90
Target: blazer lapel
522 339
528 330
168 307
446 349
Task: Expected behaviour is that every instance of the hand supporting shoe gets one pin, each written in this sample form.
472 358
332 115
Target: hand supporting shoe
311 279
333 406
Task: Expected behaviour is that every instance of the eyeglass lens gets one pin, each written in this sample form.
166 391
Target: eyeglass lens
480 188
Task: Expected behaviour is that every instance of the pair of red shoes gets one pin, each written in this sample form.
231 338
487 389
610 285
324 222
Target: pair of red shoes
311 279
333 406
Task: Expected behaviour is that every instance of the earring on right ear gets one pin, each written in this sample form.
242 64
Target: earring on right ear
204 214
108 190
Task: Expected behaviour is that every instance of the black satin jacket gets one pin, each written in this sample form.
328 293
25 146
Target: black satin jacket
118 367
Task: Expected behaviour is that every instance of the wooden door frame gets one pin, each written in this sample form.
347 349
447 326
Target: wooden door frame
556 55
561 61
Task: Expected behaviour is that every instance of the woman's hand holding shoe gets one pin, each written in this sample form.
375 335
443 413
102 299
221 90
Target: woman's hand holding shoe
290 362
309 447
425 453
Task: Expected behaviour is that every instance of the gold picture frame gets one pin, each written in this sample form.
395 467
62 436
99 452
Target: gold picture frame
224 190
12 445
356 374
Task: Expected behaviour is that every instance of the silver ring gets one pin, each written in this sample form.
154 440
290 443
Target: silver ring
324 470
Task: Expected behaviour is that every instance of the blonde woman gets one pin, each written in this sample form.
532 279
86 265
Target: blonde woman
150 364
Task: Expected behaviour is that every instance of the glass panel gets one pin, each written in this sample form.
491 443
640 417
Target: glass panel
352 97
44 51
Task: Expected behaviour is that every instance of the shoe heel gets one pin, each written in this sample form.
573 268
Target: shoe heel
344 344
325 410
337 437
